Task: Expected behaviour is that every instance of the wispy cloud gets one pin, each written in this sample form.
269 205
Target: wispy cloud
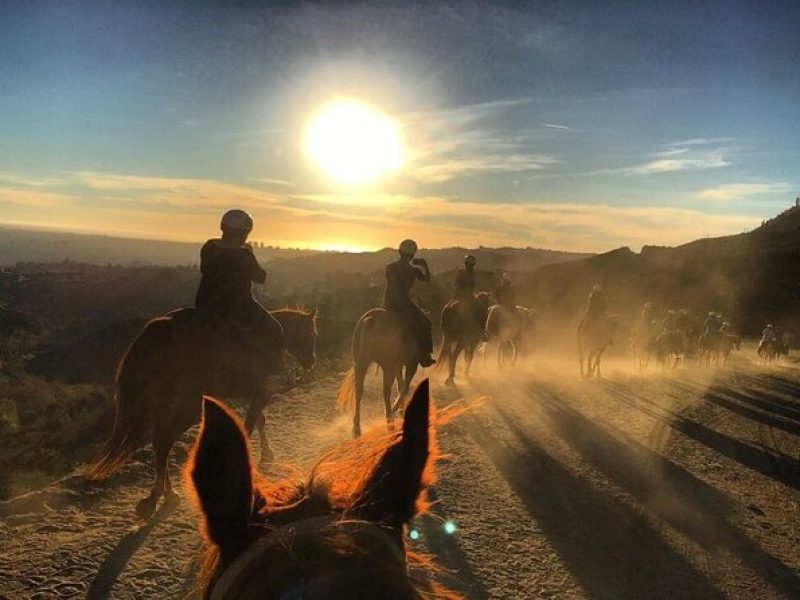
739 191
188 209
555 126
688 155
271 181
465 141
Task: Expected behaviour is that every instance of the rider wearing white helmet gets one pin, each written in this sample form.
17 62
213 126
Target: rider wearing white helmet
229 268
400 278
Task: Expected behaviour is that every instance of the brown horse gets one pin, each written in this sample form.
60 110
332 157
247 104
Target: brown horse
162 377
594 337
671 346
507 329
462 332
711 348
338 535
380 337
730 343
768 350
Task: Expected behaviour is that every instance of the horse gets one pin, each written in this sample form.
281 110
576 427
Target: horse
508 330
339 534
163 375
644 344
671 346
729 343
594 337
768 350
710 347
380 337
462 333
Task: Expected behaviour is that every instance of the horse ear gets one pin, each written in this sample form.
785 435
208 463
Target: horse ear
391 492
221 474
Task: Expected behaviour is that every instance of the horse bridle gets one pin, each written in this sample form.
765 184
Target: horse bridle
279 535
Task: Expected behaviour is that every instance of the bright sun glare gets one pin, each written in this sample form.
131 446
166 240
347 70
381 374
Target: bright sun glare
353 143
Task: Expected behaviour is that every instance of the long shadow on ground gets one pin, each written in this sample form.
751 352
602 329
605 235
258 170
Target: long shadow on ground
118 558
457 573
766 461
611 550
665 489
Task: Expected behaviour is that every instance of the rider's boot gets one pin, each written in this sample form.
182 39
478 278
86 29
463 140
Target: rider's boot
426 360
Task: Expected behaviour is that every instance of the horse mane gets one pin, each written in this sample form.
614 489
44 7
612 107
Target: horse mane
333 486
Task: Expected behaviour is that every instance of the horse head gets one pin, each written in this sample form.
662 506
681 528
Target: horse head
299 334
340 534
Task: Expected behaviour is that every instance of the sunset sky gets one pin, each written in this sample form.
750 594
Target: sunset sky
569 125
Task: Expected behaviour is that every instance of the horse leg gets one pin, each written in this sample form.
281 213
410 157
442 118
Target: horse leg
411 370
360 374
469 355
454 361
162 445
267 455
256 408
388 382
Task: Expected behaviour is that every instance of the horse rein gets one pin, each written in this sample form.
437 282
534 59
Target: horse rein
279 535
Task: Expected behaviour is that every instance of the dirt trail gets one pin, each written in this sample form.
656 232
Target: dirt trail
634 486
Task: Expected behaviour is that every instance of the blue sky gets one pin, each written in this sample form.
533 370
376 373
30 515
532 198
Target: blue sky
577 125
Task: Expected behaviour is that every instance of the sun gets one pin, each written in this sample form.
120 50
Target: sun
353 143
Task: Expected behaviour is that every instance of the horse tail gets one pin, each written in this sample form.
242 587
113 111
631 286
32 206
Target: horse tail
347 391
134 411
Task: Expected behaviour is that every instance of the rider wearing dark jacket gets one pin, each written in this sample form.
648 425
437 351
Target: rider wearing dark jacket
229 268
465 280
400 278
597 303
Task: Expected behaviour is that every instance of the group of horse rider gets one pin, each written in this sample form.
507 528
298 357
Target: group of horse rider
228 267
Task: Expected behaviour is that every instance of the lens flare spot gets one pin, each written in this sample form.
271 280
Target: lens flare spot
449 527
413 534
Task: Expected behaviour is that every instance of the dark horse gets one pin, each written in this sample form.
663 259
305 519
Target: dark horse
463 328
162 377
594 337
338 535
380 337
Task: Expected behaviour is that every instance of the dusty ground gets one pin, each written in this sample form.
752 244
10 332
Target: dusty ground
685 484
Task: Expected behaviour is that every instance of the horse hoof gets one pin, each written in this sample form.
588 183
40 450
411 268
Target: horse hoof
145 508
356 431
449 382
171 498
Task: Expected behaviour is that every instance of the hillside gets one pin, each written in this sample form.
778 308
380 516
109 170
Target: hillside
752 278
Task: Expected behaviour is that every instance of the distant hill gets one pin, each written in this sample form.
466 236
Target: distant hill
752 278
38 246
29 246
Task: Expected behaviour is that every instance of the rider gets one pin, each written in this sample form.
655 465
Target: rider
596 304
464 291
465 280
647 316
228 268
769 334
505 293
671 320
400 277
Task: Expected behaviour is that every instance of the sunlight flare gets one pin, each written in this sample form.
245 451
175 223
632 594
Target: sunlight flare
353 143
